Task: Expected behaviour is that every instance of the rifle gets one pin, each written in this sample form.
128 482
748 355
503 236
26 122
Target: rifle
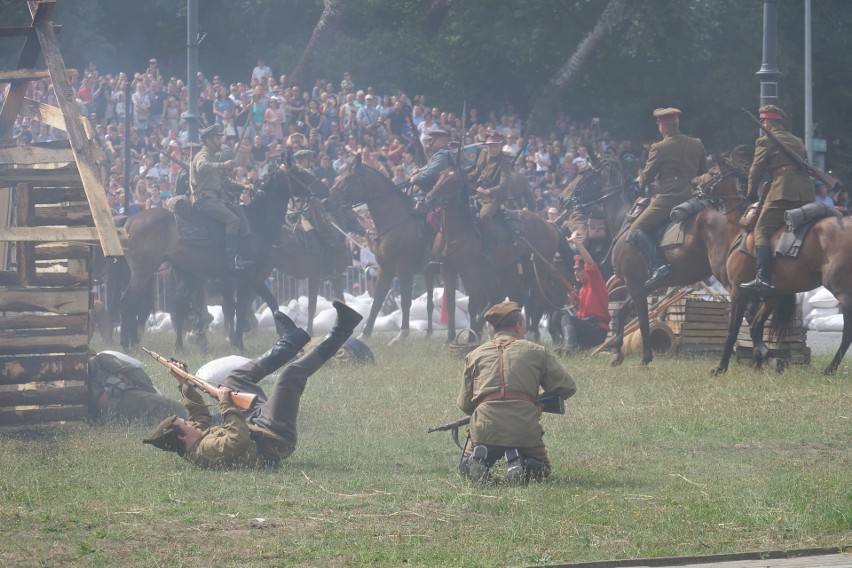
552 404
178 370
183 165
831 181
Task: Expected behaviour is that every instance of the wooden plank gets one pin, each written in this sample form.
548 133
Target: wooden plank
40 195
30 320
54 301
9 278
57 177
23 75
31 155
23 251
23 206
83 149
12 416
56 251
6 214
18 369
42 393
14 342
21 31
42 14
59 279
72 215
51 234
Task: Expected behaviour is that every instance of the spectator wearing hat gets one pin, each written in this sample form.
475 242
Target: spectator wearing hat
672 164
206 174
789 187
441 158
585 323
492 178
503 381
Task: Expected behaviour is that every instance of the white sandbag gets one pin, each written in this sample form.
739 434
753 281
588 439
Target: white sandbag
322 304
124 358
324 321
823 312
265 320
423 325
823 299
218 317
418 310
215 371
462 318
165 323
827 323
388 322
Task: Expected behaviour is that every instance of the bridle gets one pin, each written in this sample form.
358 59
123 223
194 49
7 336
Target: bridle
589 181
347 187
708 191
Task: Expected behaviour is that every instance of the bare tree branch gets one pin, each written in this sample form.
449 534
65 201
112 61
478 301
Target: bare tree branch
321 37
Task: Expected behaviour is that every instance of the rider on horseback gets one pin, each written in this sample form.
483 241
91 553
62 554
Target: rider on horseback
307 203
673 163
210 195
424 180
790 188
492 176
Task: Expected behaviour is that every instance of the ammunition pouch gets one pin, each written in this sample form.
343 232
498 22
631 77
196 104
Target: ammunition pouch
749 218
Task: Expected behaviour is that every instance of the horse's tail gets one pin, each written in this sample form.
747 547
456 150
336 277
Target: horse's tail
783 317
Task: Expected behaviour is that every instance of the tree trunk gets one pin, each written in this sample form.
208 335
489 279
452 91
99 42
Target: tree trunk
321 37
614 12
436 14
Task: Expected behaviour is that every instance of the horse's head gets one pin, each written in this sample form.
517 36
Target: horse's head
350 186
594 187
723 183
450 185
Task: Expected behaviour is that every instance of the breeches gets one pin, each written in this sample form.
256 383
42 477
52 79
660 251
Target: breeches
771 218
657 213
216 209
587 332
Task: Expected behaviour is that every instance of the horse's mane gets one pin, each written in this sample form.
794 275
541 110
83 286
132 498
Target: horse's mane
370 170
457 175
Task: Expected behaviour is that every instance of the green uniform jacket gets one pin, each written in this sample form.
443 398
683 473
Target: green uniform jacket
789 180
494 174
527 368
427 177
236 443
673 162
206 173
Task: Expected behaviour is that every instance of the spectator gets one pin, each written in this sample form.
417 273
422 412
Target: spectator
141 104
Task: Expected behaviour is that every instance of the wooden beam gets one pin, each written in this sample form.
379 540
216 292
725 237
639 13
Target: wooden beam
75 215
48 234
30 320
59 251
16 342
32 155
74 301
27 75
41 12
21 31
17 369
41 195
52 116
43 393
19 415
46 178
83 150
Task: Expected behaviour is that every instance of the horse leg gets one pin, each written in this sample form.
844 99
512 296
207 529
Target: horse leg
131 300
738 307
617 357
244 298
640 301
383 283
760 352
845 299
450 302
313 292
266 295
406 281
429 279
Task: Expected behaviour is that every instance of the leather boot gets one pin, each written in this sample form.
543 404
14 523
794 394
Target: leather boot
763 281
569 335
658 268
347 320
291 339
232 251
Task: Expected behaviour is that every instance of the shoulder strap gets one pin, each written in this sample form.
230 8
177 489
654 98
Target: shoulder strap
501 346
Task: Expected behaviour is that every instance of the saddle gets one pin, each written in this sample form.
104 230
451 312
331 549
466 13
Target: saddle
798 222
196 228
672 234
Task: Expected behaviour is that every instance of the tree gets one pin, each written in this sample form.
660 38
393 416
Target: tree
322 35
610 17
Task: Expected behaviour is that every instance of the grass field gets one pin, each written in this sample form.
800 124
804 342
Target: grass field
664 461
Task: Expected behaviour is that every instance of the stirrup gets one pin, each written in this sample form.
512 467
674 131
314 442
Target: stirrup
658 274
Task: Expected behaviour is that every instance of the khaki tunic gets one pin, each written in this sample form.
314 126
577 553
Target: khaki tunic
209 194
791 187
234 444
672 162
493 174
527 368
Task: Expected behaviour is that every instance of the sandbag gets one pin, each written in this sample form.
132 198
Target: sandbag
827 323
215 371
823 299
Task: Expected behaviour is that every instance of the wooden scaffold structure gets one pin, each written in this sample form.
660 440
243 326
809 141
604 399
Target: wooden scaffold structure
53 211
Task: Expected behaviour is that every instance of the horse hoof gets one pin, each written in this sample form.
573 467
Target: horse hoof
717 371
616 359
779 365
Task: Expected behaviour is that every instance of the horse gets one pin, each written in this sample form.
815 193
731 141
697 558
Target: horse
519 267
153 239
824 258
706 239
398 243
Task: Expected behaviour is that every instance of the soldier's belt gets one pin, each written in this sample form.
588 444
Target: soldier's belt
784 168
507 395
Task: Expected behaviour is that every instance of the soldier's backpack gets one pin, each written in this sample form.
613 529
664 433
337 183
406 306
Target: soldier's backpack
112 373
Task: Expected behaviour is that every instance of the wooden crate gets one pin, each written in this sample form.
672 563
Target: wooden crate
791 347
700 325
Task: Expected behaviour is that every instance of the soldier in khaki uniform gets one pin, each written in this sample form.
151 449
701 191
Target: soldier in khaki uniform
266 433
502 383
307 203
440 160
672 162
791 187
206 173
492 178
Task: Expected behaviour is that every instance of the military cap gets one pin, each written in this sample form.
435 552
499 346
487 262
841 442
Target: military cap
499 312
437 132
772 112
495 138
165 436
304 154
666 114
212 130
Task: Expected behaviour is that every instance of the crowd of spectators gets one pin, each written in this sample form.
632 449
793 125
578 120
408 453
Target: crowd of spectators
269 114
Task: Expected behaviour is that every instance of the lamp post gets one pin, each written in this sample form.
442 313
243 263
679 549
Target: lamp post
769 72
192 69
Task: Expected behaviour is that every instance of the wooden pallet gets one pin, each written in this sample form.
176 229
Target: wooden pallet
700 325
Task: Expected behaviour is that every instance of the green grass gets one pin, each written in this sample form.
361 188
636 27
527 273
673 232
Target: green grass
664 461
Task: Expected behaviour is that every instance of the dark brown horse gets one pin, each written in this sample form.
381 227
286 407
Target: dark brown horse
399 244
153 239
707 237
518 268
824 259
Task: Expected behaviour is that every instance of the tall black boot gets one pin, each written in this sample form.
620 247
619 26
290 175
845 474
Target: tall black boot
232 251
658 268
347 320
763 281
291 339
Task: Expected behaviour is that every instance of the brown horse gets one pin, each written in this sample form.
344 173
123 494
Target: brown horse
707 237
825 258
153 239
518 268
399 244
